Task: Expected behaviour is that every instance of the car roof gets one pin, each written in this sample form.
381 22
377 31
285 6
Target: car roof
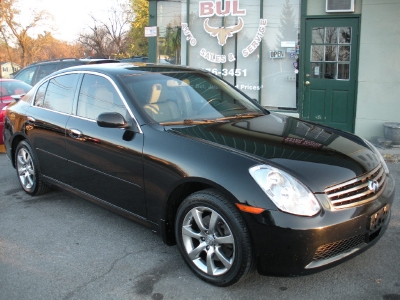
66 60
122 68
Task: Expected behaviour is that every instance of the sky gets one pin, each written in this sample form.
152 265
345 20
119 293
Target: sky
70 16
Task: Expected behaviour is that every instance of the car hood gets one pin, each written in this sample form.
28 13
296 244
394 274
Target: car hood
320 156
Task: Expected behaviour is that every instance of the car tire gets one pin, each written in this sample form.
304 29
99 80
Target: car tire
28 170
213 239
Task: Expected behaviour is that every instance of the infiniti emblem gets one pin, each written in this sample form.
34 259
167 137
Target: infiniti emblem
373 186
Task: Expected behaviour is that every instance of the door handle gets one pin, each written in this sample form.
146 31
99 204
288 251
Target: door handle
31 120
74 133
307 83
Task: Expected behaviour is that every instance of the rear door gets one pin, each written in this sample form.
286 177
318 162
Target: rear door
47 119
106 163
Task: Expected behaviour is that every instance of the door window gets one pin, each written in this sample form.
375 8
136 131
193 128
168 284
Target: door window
26 75
98 95
39 98
60 93
45 70
330 52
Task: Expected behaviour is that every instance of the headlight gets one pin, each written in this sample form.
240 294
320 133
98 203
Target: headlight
379 155
288 194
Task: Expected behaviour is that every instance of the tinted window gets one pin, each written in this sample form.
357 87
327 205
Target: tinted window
60 93
39 98
26 75
45 70
98 95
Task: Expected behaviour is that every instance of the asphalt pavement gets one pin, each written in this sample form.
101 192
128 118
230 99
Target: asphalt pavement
58 246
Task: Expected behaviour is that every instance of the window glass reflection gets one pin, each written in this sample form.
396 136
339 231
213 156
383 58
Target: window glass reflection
330 53
60 93
344 35
317 53
317 35
343 71
331 35
330 71
344 53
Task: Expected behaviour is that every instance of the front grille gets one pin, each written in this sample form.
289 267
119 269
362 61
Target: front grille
356 191
334 249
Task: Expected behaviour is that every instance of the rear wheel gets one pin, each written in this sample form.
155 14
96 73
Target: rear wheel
28 171
213 238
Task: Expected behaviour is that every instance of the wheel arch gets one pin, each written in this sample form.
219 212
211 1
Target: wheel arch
15 141
176 197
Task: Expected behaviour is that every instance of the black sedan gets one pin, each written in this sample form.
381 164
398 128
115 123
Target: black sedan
184 153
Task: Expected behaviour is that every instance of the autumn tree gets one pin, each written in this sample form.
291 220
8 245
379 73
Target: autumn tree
53 48
140 44
10 27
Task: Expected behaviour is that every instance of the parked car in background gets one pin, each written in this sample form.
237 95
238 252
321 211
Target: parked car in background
188 155
10 90
136 59
36 71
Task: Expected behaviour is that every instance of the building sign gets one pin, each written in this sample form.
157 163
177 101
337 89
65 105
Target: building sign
150 31
222 33
209 9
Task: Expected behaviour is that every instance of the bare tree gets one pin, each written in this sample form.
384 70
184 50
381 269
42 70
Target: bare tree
109 38
95 42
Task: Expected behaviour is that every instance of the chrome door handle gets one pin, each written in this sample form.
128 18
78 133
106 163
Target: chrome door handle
307 83
31 120
74 133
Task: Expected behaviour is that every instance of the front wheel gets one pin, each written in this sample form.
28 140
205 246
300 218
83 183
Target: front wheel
28 171
213 238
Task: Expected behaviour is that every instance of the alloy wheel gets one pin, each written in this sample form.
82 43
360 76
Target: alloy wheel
26 169
208 241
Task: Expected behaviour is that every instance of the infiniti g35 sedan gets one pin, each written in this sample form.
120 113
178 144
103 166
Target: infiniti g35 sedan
187 155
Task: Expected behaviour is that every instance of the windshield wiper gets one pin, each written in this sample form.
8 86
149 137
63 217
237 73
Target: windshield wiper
211 121
190 122
241 116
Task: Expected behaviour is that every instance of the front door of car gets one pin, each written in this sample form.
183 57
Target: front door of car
105 163
47 119
330 70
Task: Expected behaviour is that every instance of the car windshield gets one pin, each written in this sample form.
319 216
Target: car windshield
13 87
188 97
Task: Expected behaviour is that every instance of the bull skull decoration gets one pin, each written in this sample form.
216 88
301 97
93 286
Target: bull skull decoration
222 33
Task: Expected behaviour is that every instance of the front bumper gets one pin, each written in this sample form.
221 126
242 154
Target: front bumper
288 245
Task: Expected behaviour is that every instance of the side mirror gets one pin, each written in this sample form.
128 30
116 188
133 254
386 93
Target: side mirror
17 97
111 120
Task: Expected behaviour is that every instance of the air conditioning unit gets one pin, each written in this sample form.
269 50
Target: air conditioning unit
333 6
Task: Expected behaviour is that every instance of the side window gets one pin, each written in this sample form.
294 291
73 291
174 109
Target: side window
26 75
39 98
45 70
60 93
97 95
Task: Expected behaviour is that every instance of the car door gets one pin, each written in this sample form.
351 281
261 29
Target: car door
105 162
47 119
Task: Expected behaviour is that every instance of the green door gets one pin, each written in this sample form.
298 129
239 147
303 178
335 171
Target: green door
330 72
